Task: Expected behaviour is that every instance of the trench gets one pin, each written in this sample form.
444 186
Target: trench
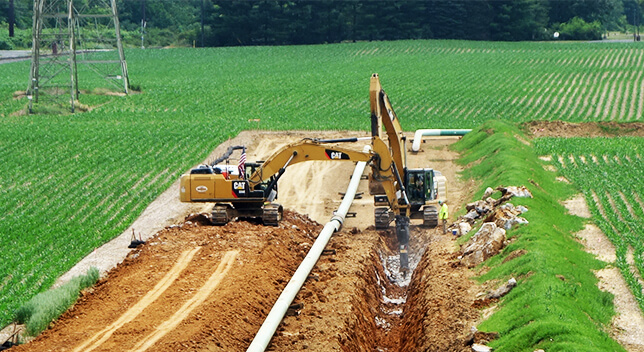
355 299
429 309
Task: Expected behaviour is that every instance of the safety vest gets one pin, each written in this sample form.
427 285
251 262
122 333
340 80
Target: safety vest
443 214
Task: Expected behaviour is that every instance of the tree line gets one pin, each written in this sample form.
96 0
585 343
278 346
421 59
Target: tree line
275 22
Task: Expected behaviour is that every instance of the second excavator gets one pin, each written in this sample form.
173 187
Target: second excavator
424 187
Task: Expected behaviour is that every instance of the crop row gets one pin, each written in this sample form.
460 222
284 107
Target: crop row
433 84
610 174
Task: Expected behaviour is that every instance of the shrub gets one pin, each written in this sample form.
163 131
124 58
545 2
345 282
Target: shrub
5 42
47 306
578 29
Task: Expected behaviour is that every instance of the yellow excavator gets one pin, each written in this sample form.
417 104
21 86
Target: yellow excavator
252 193
424 187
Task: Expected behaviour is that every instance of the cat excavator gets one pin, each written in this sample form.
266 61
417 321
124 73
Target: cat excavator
252 192
425 186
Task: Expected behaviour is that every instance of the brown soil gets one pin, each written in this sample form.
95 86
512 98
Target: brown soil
195 287
587 129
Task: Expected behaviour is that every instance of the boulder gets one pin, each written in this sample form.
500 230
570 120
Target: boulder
514 191
464 228
481 206
488 241
506 216
472 215
503 290
480 348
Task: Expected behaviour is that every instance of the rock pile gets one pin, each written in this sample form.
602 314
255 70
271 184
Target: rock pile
494 210
487 242
498 216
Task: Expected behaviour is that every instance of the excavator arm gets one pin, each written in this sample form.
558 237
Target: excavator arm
305 150
198 187
379 158
382 113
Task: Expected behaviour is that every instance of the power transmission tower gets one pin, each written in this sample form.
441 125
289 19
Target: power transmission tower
71 41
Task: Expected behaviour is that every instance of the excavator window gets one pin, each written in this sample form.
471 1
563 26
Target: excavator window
415 187
202 170
429 181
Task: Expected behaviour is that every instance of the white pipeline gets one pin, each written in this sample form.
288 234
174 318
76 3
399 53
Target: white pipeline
275 316
418 136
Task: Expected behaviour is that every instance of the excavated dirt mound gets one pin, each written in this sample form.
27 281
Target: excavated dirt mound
195 287
217 284
587 129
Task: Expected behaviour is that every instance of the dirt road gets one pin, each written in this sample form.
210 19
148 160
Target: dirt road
195 287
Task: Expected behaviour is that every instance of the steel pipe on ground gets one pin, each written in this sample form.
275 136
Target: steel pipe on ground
434 132
275 316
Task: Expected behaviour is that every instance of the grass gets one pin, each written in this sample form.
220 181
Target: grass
556 305
47 306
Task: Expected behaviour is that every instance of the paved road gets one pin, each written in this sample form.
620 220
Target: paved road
14 55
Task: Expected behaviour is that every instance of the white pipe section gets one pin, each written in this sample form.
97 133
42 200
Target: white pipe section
434 132
275 316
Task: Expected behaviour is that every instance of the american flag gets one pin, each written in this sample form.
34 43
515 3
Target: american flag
242 164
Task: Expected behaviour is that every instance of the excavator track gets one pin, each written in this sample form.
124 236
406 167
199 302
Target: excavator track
219 215
382 218
430 216
272 214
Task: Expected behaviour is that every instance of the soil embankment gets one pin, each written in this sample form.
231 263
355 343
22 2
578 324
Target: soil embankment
586 129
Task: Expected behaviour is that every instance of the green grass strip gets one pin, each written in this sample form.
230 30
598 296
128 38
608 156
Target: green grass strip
47 306
556 305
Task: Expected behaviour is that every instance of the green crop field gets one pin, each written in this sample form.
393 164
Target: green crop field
71 182
610 174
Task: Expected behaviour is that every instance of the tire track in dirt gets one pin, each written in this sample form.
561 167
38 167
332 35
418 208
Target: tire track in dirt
187 308
152 295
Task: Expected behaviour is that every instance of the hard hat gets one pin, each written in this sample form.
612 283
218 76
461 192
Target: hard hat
440 202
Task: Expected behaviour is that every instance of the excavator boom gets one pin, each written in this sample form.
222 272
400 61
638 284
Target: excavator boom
382 113
305 150
421 187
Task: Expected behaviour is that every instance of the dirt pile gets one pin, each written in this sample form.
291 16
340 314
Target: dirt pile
199 287
587 129
260 261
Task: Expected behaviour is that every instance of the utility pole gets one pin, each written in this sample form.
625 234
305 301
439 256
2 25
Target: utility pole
143 24
202 7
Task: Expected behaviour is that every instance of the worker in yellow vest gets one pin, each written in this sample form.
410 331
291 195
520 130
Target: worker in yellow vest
443 214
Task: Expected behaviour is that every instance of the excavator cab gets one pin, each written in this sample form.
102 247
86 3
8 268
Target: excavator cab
419 185
423 188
